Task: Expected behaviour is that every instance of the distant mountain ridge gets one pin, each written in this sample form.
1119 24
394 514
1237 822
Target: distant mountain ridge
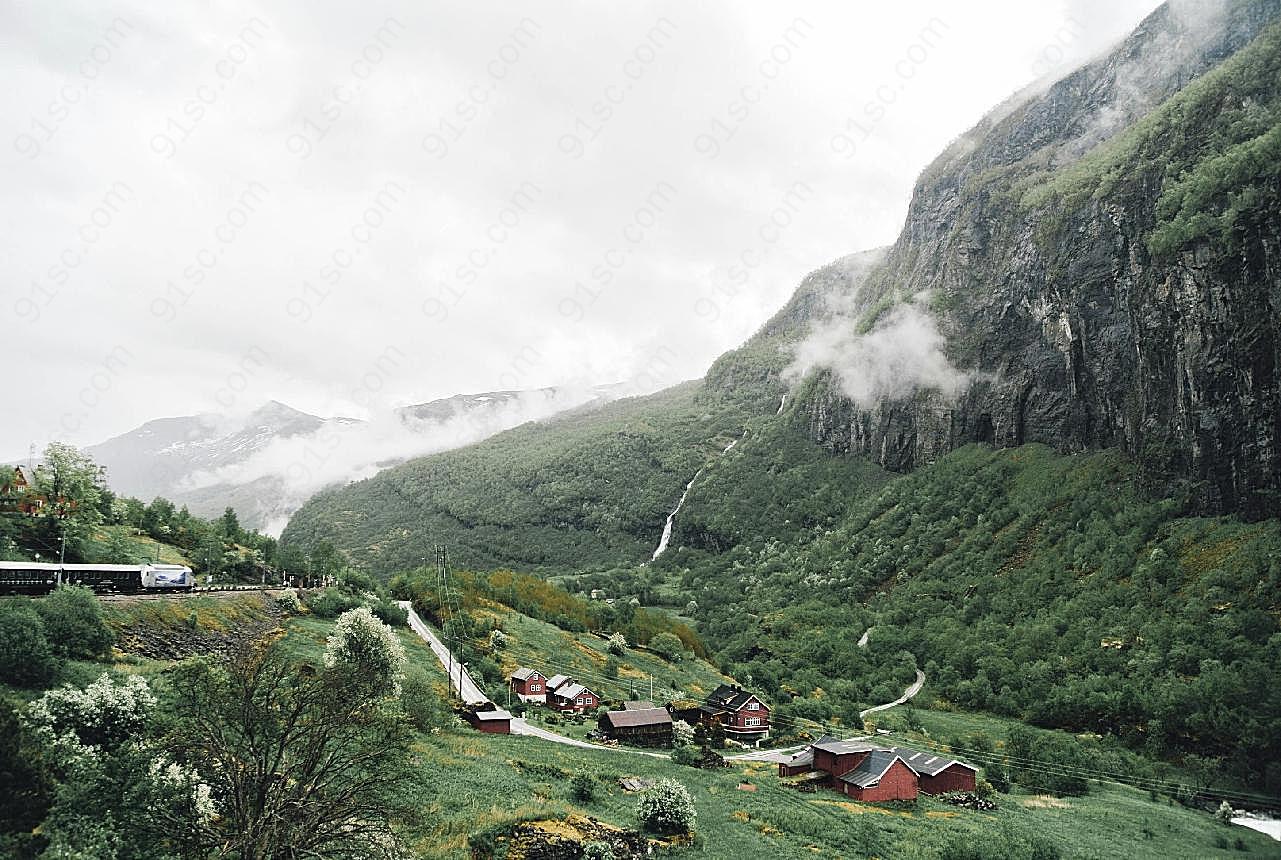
265 464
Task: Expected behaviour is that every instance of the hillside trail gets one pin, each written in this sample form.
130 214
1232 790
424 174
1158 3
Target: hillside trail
907 694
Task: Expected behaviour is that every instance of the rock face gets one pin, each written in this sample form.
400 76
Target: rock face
1104 258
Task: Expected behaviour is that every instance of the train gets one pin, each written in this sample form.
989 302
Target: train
29 577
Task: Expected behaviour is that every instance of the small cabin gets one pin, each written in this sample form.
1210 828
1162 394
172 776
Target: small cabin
492 720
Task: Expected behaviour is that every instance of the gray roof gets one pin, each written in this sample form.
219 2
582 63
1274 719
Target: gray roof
489 716
871 769
638 705
524 674
801 759
729 697
928 764
829 744
570 691
636 718
557 680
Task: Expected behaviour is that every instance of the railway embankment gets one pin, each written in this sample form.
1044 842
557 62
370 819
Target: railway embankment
168 629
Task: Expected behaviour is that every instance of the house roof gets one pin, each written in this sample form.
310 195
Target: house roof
558 680
524 673
835 746
803 758
638 705
493 716
928 764
570 691
871 769
640 717
729 697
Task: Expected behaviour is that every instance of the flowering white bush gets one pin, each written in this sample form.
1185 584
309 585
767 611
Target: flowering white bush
682 732
102 716
497 640
666 807
171 781
617 644
369 650
288 600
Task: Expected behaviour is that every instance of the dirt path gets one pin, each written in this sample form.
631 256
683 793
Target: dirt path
907 694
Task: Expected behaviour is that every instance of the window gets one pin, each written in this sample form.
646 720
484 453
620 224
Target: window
578 701
753 706
534 688
752 721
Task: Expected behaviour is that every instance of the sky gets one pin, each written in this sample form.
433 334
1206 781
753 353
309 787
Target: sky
350 207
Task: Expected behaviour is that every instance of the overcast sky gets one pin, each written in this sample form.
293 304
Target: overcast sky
349 206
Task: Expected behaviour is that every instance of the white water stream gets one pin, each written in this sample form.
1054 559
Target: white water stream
671 518
781 404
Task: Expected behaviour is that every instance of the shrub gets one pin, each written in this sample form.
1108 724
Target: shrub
682 733
582 788
103 715
425 709
25 656
617 645
328 602
611 667
1224 813
391 613
686 754
288 601
73 623
367 652
598 851
668 646
666 808
497 640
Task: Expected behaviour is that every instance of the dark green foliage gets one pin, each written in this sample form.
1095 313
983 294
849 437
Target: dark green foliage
73 623
391 613
425 708
329 602
23 782
582 787
26 659
667 646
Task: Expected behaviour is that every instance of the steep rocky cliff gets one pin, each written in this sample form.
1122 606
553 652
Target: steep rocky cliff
1104 262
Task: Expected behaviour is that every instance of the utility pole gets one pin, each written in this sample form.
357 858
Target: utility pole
651 688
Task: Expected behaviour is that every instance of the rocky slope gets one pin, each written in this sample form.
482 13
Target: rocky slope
1102 260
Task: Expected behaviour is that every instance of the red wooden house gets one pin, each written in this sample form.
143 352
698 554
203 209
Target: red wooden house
571 697
865 771
16 494
880 775
743 715
529 685
938 773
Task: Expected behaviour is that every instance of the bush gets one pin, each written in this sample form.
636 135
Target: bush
391 613
73 623
425 709
597 851
1224 813
682 733
582 788
666 808
25 656
367 652
288 601
497 640
617 645
668 646
686 754
328 602
611 667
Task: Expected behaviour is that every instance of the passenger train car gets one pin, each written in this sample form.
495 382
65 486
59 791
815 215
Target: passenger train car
28 577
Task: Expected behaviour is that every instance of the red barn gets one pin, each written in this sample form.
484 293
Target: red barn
492 722
572 697
837 758
938 773
881 775
528 685
743 715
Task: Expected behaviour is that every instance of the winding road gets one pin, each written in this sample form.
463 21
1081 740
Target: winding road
907 694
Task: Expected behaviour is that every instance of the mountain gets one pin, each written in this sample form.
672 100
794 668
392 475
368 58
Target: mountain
1033 445
267 463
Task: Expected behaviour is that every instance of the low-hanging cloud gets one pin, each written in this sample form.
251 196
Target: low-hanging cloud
902 354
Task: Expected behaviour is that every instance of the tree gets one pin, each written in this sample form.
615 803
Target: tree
368 652
617 645
25 656
71 483
306 763
74 624
666 808
229 526
426 710
682 732
668 646
582 787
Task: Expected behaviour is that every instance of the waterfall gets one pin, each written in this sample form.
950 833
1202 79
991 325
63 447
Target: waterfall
671 518
781 404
